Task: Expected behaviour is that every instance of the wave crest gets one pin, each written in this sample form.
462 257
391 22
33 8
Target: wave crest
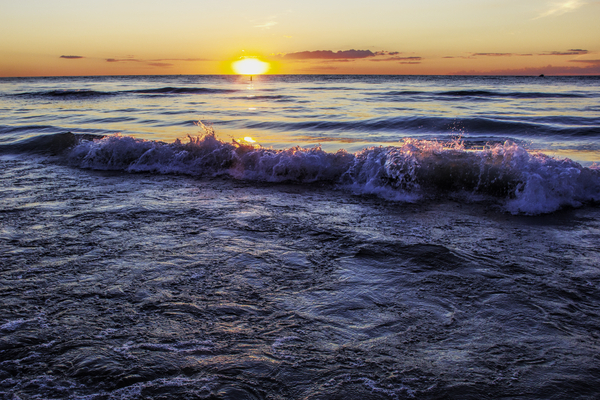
68 94
207 155
529 183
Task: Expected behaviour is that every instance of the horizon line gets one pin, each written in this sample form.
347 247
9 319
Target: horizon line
308 74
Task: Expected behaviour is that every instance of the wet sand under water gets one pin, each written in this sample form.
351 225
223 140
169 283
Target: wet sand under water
134 286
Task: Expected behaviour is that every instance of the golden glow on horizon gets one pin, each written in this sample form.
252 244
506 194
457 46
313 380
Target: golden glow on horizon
554 37
250 66
249 139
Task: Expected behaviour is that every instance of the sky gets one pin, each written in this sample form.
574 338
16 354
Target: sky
151 37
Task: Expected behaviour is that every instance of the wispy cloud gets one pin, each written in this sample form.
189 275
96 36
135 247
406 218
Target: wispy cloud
114 60
593 62
343 55
182 59
571 52
413 58
159 63
499 55
493 54
460 57
72 57
346 56
403 60
340 60
266 25
329 55
561 8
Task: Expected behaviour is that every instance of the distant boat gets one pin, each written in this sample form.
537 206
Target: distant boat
541 76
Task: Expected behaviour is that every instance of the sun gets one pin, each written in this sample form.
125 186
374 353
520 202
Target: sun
250 66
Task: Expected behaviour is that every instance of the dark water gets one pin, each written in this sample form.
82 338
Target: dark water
432 268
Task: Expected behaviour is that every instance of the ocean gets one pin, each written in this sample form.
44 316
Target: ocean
300 237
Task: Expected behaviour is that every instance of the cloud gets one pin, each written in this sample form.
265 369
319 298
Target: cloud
493 54
571 52
114 60
181 59
266 25
386 53
499 54
341 60
160 64
593 62
461 57
562 8
72 57
343 55
329 55
403 60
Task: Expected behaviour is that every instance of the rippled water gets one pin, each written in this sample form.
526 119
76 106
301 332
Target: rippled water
559 115
141 268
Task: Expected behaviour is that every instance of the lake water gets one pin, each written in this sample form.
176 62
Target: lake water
299 237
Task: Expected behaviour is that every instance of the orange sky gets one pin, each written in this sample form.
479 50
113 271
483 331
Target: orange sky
84 37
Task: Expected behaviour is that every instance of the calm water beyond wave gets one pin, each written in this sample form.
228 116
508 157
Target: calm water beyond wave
300 237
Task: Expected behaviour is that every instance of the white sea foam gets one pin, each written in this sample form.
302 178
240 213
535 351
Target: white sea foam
529 183
192 346
12 326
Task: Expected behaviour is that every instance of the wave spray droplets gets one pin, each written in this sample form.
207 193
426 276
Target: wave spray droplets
529 183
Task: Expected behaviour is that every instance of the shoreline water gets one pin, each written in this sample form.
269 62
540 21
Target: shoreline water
135 266
135 286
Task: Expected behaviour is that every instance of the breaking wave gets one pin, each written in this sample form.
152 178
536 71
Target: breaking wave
68 94
74 94
524 182
181 90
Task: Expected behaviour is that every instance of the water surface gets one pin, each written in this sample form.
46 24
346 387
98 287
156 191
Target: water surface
427 250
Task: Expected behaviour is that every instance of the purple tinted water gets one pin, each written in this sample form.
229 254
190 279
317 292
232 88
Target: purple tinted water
138 269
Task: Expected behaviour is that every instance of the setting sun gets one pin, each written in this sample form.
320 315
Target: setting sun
250 66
